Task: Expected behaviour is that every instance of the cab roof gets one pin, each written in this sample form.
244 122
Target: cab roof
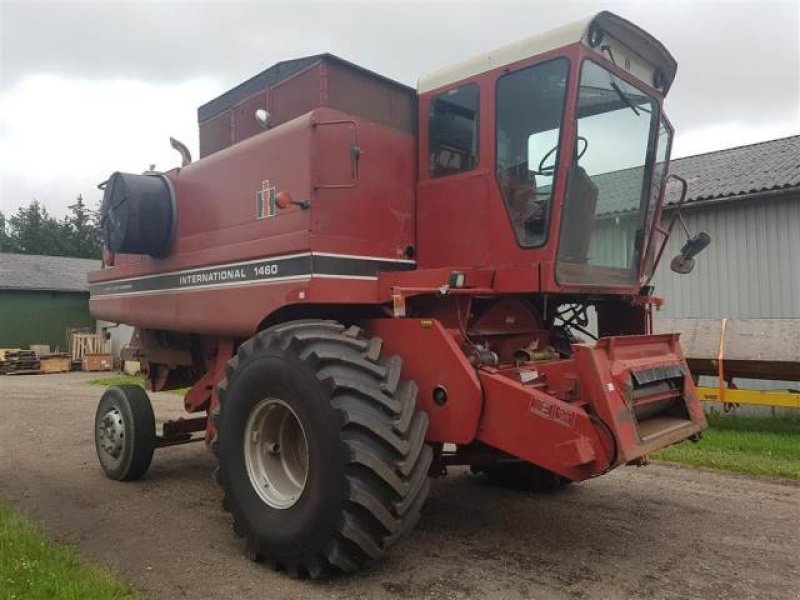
623 30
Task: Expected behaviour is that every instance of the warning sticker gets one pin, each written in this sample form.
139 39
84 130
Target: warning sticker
543 408
548 410
565 417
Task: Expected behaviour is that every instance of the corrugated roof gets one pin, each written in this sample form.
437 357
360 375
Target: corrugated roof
761 167
54 273
722 174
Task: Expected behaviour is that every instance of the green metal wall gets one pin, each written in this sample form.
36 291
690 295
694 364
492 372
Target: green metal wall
30 317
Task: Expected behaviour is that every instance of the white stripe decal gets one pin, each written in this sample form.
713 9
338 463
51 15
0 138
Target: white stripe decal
362 257
198 269
210 286
289 267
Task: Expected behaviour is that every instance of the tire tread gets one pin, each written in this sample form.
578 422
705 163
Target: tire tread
382 434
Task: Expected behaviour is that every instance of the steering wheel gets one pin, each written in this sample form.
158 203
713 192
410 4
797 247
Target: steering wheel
548 171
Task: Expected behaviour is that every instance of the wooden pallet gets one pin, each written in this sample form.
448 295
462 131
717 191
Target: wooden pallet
82 344
98 362
55 363
40 349
4 350
21 362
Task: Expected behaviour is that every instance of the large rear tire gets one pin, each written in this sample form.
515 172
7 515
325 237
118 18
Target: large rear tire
322 455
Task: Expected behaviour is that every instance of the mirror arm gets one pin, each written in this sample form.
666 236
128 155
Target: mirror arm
677 215
683 223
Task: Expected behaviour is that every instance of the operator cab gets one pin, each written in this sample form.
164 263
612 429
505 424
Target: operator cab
550 152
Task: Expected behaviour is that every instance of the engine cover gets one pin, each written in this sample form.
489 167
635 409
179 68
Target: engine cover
138 214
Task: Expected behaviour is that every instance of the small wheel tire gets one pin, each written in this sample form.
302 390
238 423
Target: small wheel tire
523 476
125 432
354 477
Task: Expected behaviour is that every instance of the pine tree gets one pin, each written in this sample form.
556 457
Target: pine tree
33 231
83 231
5 241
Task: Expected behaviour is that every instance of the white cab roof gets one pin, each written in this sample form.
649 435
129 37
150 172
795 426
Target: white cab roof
634 37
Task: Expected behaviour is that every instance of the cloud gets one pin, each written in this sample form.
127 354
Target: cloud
91 87
729 134
61 136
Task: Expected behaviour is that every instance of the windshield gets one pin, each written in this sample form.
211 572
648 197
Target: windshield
530 109
609 202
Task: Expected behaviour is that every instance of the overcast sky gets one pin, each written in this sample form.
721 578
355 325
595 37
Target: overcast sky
93 87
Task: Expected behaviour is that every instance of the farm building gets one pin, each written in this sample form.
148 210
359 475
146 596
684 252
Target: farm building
748 199
41 297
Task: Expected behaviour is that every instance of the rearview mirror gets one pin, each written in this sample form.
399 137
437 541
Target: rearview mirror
684 262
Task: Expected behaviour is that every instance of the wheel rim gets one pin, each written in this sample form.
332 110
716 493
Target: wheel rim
111 433
276 453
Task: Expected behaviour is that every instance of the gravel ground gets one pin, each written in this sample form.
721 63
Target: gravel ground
654 532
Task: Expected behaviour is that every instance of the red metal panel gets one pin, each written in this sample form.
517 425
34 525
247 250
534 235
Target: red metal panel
605 374
371 98
547 421
380 207
230 311
541 429
328 81
454 213
244 120
216 133
432 358
219 192
217 224
296 96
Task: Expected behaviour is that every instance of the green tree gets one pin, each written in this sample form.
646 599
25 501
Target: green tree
5 241
83 233
33 231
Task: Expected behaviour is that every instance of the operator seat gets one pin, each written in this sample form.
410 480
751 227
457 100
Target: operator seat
528 215
578 217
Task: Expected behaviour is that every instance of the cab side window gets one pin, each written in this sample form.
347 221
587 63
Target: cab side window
453 131
530 109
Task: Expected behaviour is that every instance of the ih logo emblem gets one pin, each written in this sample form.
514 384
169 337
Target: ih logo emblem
265 200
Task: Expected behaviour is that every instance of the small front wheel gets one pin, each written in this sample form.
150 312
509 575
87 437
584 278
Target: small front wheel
125 432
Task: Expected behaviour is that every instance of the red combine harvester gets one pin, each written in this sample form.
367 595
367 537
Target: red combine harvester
364 284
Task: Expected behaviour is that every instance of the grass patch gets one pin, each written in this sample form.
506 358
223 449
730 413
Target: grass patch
119 380
749 445
32 568
130 380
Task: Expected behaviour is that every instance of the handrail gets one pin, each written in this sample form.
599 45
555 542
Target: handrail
677 215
